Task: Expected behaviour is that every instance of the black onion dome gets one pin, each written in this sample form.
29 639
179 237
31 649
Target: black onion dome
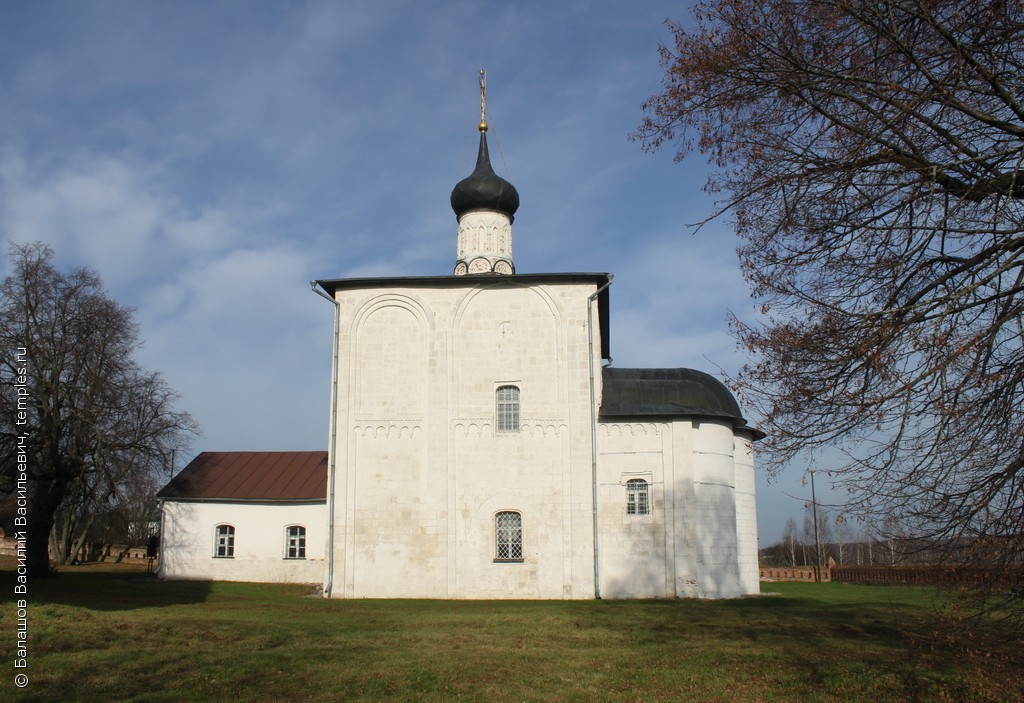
484 189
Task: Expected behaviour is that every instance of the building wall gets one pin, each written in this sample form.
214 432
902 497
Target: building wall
746 515
188 542
716 539
636 550
421 470
700 538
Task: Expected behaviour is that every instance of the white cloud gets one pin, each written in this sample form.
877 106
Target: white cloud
216 310
110 215
670 302
243 336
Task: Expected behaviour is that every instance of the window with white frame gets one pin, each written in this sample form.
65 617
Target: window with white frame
224 542
295 542
506 409
638 500
508 536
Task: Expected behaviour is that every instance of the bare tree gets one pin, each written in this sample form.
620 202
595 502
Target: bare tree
790 540
78 416
807 540
871 154
841 533
817 543
129 515
74 517
106 507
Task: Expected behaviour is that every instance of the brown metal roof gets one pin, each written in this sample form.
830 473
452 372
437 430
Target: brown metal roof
256 476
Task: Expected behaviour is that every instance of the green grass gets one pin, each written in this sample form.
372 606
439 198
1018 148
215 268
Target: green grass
112 634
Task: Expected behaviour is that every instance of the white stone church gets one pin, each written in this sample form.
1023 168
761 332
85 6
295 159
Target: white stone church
480 447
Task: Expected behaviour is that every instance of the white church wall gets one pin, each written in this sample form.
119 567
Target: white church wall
684 520
484 234
399 520
715 510
512 336
746 515
188 542
635 548
389 349
700 538
416 498
391 511
521 337
523 472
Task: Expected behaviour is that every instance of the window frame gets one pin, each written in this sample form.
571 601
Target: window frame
638 496
224 541
299 547
508 411
508 539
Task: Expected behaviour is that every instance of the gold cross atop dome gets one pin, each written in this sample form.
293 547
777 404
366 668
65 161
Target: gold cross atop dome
483 100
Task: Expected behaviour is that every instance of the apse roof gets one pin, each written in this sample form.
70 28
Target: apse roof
251 476
667 393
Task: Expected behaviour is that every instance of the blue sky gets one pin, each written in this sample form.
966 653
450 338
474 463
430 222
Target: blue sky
210 158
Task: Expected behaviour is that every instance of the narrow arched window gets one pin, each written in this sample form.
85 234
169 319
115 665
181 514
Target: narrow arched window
506 410
638 500
295 542
508 536
224 542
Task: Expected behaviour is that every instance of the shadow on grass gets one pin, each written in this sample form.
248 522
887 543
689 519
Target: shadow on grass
268 642
800 626
881 644
107 589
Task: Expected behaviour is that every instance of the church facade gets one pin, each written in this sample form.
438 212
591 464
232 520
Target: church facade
481 447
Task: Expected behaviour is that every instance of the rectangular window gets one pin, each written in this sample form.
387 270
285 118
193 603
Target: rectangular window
508 536
506 410
295 542
224 543
637 497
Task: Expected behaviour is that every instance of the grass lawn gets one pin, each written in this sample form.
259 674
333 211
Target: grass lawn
112 634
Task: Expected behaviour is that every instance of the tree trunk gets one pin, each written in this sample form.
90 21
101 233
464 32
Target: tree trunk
60 537
76 547
46 498
57 541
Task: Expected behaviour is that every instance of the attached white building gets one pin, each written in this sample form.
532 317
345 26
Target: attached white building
246 516
480 448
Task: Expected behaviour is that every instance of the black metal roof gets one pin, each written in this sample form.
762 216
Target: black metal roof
668 393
